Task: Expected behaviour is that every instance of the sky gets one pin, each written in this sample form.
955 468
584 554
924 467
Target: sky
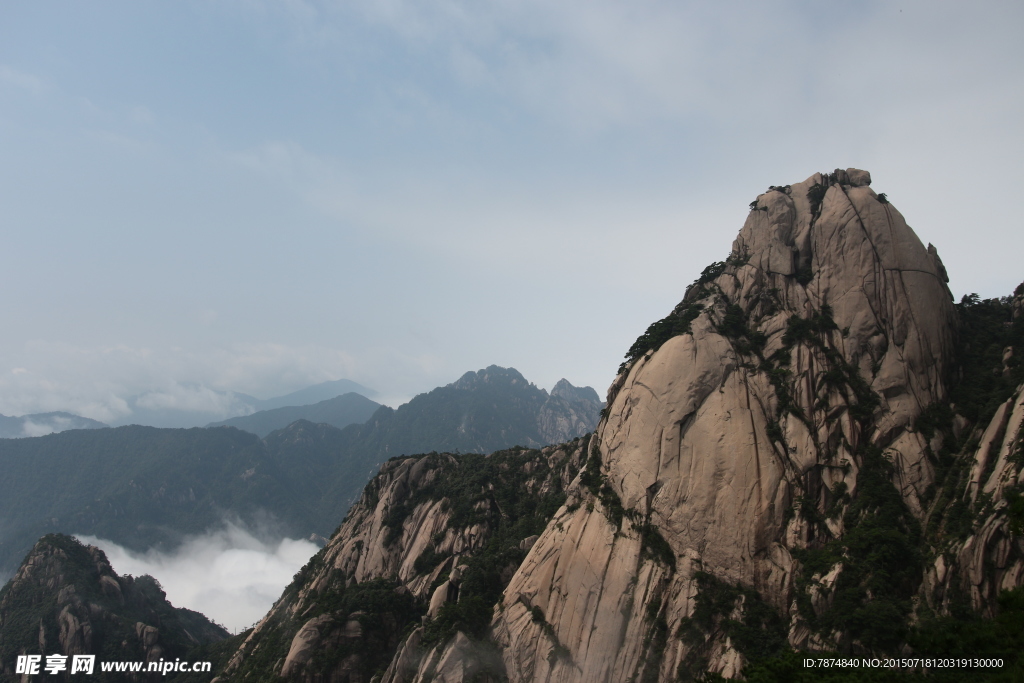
254 196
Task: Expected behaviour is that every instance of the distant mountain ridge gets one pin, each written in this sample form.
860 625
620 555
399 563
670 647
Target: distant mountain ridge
145 487
494 408
39 424
340 411
197 405
315 394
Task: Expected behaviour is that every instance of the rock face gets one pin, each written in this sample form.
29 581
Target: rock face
567 413
434 537
991 558
65 599
788 386
805 453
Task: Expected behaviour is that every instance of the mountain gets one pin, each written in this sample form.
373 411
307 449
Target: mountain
314 394
145 487
39 424
340 411
816 453
193 405
481 412
432 538
139 486
66 600
187 405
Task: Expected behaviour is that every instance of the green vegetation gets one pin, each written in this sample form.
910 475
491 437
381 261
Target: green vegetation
678 321
964 636
815 195
655 641
596 483
984 382
882 558
884 547
734 327
653 545
759 633
986 328
674 324
1015 510
490 490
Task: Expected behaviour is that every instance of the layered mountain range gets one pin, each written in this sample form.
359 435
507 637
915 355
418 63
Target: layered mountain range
816 450
193 405
339 411
149 488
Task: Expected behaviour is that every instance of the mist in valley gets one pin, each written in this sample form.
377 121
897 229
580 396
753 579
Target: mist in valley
231 574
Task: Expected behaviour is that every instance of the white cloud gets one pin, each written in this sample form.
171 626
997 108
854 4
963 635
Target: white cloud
30 428
230 575
20 79
97 381
191 398
458 216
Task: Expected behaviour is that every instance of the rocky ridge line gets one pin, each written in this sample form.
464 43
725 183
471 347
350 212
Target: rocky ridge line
413 569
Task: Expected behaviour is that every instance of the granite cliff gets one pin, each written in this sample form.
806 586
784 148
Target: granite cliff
766 434
816 450
406 586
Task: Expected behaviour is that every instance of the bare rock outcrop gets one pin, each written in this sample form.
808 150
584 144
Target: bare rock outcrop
568 412
792 371
403 554
990 558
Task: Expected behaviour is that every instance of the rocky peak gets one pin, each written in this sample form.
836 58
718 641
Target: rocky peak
66 599
738 433
781 465
564 389
493 375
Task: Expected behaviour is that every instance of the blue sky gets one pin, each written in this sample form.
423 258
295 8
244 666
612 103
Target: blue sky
256 196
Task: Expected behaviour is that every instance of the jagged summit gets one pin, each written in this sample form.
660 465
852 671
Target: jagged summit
66 599
564 389
492 374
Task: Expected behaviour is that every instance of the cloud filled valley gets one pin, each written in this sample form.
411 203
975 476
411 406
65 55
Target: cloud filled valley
231 574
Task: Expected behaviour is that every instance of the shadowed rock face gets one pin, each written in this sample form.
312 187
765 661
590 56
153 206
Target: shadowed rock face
713 436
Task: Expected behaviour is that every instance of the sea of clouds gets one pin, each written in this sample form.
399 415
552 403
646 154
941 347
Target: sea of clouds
232 574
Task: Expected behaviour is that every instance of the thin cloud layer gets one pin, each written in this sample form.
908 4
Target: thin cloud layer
109 383
230 575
